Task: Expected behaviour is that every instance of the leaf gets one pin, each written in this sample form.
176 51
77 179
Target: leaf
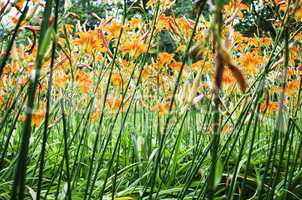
46 41
218 173
195 87
239 77
32 193
235 177
124 198
152 155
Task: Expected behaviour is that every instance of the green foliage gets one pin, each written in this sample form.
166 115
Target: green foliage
257 22
84 11
183 8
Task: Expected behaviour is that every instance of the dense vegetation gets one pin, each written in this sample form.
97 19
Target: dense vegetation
153 99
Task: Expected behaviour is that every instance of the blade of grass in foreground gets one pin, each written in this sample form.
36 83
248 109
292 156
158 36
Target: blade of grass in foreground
20 174
219 69
66 151
48 101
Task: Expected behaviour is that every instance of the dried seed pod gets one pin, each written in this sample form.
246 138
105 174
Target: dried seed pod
227 59
239 77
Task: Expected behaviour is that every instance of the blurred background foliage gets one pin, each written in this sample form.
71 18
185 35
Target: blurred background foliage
256 21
